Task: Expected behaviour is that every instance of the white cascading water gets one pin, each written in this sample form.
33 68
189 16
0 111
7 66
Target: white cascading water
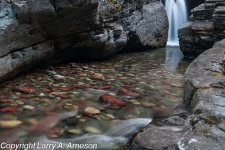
177 15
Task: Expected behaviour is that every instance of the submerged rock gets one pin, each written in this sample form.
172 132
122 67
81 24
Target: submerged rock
97 76
127 92
92 110
9 123
25 89
112 101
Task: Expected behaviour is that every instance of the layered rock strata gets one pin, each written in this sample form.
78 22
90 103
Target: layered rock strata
203 28
90 29
199 122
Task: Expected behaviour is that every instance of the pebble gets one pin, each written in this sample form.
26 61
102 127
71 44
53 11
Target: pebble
83 120
92 110
41 94
85 67
19 102
28 107
112 94
97 76
75 131
59 77
135 102
51 72
93 130
148 104
8 117
25 89
110 116
5 124
70 107
33 121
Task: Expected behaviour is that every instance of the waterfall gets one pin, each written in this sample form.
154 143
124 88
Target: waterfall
177 15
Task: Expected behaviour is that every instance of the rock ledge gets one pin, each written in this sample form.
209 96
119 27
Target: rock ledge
199 122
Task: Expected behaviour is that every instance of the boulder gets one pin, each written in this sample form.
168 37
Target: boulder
92 29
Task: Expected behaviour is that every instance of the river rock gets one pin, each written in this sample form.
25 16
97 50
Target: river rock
92 110
25 89
124 91
9 123
75 131
59 77
97 76
11 109
93 130
112 101
38 32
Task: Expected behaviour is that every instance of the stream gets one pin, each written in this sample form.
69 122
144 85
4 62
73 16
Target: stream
98 103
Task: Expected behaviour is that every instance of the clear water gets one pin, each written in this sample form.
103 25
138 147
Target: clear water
55 116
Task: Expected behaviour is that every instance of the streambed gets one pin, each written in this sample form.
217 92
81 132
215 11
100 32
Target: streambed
62 104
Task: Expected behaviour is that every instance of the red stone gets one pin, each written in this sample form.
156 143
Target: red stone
63 96
166 87
47 123
24 96
65 89
47 91
4 95
25 89
5 101
128 92
59 104
88 115
79 86
50 108
112 101
50 113
9 109
54 89
82 86
105 87
86 85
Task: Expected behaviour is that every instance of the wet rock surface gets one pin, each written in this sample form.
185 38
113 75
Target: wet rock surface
204 27
75 29
198 122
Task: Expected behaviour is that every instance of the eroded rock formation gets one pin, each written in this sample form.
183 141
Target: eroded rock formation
33 32
205 27
199 122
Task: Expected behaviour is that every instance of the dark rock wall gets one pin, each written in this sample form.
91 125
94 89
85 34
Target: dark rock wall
203 29
192 4
91 29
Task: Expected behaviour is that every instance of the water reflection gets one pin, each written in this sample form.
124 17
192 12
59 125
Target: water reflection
173 57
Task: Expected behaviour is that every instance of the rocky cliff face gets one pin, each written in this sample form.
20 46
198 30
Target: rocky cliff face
203 29
199 122
40 31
